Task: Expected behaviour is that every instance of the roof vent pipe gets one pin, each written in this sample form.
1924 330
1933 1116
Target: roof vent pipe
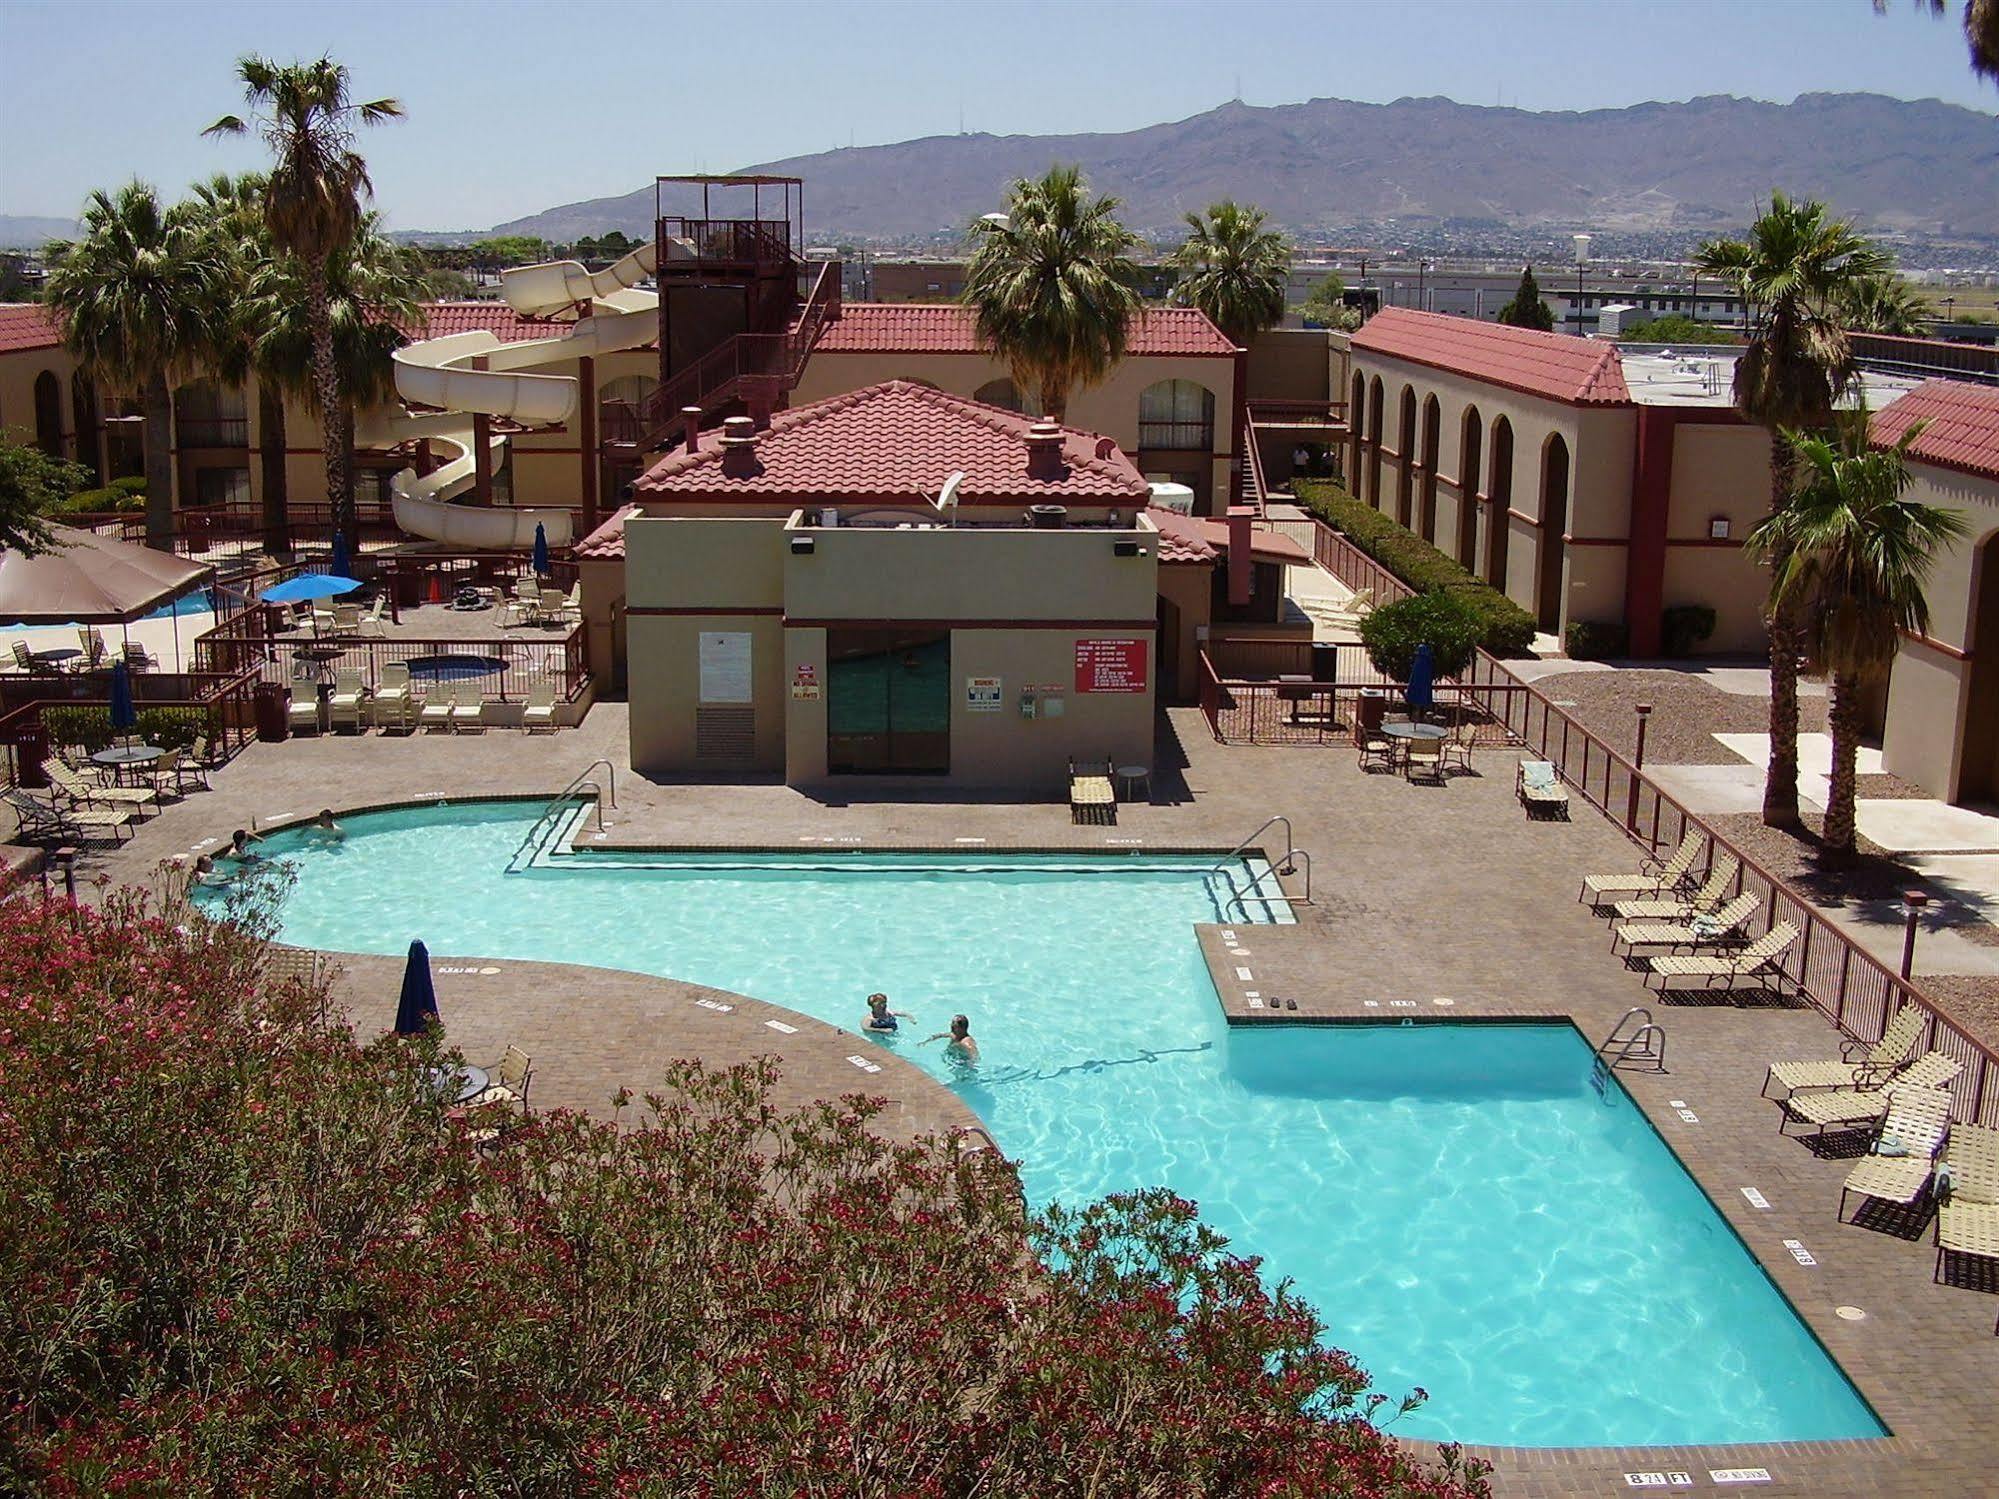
690 423
739 448
1044 451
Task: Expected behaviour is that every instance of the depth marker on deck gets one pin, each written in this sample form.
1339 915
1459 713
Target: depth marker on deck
1756 1198
1804 1257
779 1025
1244 974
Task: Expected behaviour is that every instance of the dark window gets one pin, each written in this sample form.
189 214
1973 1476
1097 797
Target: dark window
888 702
1177 415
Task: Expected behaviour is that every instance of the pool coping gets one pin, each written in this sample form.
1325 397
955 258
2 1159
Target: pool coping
1912 1423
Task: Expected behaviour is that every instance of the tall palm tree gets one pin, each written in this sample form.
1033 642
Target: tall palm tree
1885 304
1856 553
1234 269
312 204
132 292
1053 285
1791 272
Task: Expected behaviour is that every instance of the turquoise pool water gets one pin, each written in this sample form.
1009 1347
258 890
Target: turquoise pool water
1466 1210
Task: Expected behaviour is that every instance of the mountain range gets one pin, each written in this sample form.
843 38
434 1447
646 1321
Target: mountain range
1912 166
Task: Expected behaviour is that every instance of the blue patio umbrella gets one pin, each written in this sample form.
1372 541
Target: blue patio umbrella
341 566
417 1009
1422 678
123 715
309 586
540 549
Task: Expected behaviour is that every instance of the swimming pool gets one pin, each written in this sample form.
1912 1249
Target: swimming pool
1468 1213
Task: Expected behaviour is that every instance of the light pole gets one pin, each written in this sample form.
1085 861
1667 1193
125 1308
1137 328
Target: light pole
1422 266
1644 711
1914 900
1582 256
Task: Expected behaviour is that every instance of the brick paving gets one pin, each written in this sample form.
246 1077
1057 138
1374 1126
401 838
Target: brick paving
1420 893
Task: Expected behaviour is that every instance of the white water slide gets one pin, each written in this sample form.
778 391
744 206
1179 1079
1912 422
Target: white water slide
466 373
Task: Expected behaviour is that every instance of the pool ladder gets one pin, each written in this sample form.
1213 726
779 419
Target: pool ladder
1293 857
1643 1044
582 786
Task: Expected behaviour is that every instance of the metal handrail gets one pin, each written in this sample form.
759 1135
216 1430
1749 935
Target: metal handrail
582 782
1249 842
1240 898
1636 1045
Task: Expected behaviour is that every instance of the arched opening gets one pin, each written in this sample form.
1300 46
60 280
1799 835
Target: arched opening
1374 442
209 415
1979 780
48 413
1499 505
1003 392
1177 416
1552 553
1432 431
83 417
1470 437
1356 425
1405 456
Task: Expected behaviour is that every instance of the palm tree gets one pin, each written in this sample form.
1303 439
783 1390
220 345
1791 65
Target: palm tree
1053 285
1234 269
131 293
1855 553
1885 304
313 207
1791 272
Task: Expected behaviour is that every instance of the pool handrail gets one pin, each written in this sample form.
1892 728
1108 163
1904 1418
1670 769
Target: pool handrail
582 782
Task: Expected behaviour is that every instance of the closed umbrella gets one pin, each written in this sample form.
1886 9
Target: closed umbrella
540 549
341 566
417 1010
123 715
1422 679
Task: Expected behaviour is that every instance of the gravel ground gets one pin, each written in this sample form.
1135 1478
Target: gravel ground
1686 713
1973 1000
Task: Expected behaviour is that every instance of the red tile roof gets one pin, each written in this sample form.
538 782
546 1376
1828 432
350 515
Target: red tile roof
892 444
27 325
1201 539
1557 366
608 540
946 328
443 318
1961 428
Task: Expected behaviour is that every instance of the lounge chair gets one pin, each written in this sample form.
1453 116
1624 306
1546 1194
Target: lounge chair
1899 1162
134 656
1851 1108
1092 797
1655 877
1762 960
1540 790
392 702
349 696
372 623
303 713
47 825
437 706
1858 1065
25 658
92 641
1968 1189
510 1079
468 708
85 793
540 710
1718 929
1711 896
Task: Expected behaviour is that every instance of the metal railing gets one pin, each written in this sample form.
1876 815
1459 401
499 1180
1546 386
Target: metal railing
1177 437
224 697
1310 711
584 781
1255 489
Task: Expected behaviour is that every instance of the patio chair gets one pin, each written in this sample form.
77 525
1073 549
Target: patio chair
1968 1189
1541 793
468 709
1858 1065
1761 961
302 715
349 695
347 619
194 764
1710 897
92 640
1092 796
165 773
372 623
511 1077
135 657
437 706
322 621
1901 1159
1723 928
552 604
1655 877
23 657
393 701
1424 757
540 710
47 825
81 792
1376 749
1456 750
572 604
1853 1108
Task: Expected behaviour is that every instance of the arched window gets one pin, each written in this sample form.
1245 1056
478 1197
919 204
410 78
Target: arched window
1177 416
1432 430
1499 513
1356 424
208 415
1002 392
1470 438
1554 526
1405 456
83 417
1374 442
48 413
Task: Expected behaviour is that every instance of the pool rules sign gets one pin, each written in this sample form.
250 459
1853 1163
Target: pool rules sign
1110 665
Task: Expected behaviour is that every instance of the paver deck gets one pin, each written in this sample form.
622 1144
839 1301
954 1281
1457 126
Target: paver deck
1420 893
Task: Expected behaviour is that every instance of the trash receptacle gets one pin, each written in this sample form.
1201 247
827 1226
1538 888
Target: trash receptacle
31 747
1373 708
273 722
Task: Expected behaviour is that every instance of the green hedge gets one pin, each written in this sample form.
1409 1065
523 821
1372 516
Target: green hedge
114 497
169 728
1506 629
1393 632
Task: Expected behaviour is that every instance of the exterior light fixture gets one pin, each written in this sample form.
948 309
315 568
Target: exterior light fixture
802 546
1717 528
1124 548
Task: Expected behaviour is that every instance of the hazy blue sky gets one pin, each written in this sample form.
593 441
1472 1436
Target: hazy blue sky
517 106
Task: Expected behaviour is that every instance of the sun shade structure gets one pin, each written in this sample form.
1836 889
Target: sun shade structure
92 580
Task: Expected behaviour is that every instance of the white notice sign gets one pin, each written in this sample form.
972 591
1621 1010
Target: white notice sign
983 694
725 666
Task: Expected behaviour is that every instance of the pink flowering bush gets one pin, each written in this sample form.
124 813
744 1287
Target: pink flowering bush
241 1253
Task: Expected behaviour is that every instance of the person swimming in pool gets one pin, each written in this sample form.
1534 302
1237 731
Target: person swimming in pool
960 1046
239 846
206 873
327 828
881 1017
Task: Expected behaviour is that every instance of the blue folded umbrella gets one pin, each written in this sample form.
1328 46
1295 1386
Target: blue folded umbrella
1422 678
417 1010
123 715
541 549
309 586
341 566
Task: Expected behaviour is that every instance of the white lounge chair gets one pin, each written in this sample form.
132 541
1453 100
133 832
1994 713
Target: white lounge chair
1762 961
540 710
1968 1220
468 708
437 706
349 695
393 702
1852 1108
303 714
1858 1064
1718 929
1900 1161
1540 790
1711 896
1655 876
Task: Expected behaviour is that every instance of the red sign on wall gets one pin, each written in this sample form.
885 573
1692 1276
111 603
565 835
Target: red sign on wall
1110 666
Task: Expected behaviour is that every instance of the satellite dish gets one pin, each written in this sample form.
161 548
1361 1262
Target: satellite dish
997 220
947 497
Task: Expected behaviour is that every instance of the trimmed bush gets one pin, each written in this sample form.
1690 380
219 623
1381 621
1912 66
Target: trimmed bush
130 484
1392 633
1682 628
1594 640
169 728
1505 628
104 501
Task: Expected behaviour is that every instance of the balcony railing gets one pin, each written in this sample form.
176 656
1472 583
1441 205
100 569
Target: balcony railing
212 431
1177 437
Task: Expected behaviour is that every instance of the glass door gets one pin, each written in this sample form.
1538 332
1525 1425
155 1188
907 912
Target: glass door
888 702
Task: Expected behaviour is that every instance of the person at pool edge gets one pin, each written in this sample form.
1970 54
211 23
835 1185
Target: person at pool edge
960 1047
881 1017
239 846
